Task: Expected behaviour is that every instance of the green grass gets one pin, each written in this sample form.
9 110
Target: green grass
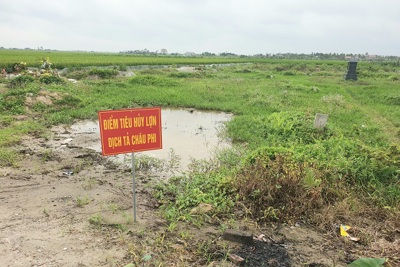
274 102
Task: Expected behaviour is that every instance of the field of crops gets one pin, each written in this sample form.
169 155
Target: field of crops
80 59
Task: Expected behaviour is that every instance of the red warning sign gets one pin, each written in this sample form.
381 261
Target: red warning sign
130 130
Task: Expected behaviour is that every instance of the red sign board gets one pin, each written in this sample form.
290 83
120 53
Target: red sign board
130 130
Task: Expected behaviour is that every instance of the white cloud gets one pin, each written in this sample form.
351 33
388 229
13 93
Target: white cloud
243 27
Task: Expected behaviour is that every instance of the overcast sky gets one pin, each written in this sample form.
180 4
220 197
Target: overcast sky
238 26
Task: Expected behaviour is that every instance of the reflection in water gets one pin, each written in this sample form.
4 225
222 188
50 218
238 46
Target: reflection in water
187 133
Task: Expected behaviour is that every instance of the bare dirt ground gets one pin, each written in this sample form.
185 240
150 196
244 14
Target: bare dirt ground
66 205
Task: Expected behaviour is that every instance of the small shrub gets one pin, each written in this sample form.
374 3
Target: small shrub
181 194
7 157
278 188
83 201
18 67
21 81
97 220
68 101
14 104
122 67
48 78
104 73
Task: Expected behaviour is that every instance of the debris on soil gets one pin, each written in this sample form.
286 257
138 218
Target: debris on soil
238 236
235 258
264 254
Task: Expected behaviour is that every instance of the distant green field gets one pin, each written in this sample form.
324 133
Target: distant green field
62 59
81 59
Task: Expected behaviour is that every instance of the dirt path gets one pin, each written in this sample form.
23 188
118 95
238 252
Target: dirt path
55 202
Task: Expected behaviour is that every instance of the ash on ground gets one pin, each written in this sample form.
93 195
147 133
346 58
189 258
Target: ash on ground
264 254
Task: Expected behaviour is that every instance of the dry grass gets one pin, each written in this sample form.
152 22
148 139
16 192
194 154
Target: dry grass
283 190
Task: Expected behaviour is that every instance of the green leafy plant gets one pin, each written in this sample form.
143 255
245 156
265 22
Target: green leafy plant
8 157
82 201
49 78
368 262
96 220
21 81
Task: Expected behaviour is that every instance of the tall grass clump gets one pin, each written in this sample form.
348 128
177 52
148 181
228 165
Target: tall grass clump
335 168
181 194
8 157
279 188
207 182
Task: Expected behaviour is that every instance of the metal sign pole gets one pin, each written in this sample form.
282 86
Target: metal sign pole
119 134
134 187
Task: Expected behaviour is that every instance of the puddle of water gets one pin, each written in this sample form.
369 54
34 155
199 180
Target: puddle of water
191 134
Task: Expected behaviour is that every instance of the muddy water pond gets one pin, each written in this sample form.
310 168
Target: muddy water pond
187 134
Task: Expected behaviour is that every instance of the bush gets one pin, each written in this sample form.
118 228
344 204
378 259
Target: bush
104 73
123 67
21 81
48 78
13 104
281 189
181 194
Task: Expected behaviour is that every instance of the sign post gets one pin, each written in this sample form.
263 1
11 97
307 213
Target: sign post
129 131
134 187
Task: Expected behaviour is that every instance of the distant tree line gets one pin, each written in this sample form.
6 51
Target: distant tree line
313 55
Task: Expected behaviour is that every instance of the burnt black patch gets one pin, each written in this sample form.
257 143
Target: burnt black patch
264 254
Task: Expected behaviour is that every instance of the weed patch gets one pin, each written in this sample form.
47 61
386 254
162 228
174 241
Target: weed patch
8 157
104 73
181 194
277 128
20 81
149 80
281 189
393 100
